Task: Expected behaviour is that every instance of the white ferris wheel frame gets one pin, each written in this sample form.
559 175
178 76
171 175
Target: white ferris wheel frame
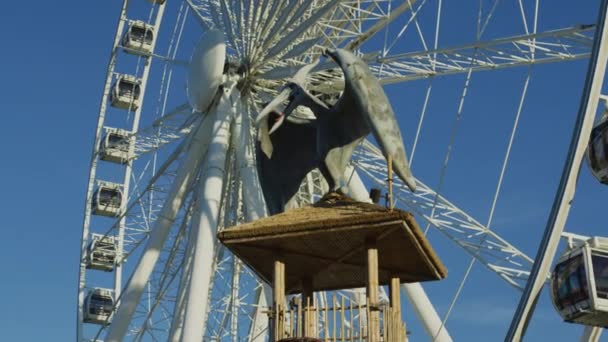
494 252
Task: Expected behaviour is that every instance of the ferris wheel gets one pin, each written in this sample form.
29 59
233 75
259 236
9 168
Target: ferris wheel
173 165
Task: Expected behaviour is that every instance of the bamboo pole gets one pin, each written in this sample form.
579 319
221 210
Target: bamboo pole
334 303
299 318
390 183
351 333
342 319
308 299
372 292
395 292
360 322
279 299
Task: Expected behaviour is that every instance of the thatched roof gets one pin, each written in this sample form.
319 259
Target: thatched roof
327 242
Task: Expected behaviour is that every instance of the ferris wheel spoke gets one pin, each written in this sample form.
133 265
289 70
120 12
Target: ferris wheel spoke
172 126
167 276
486 246
378 26
298 31
546 47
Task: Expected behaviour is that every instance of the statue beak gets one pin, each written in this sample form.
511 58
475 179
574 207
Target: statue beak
275 106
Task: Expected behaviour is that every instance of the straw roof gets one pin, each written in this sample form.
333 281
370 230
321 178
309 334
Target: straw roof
327 243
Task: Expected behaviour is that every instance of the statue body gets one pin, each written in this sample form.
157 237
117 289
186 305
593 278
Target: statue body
293 147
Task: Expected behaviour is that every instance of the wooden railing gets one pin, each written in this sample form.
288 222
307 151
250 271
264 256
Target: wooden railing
341 320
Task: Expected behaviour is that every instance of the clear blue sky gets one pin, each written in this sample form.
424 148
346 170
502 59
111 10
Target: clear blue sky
53 65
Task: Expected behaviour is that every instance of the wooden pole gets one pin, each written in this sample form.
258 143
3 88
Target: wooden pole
326 320
299 322
342 320
372 291
390 183
360 322
308 300
335 311
395 290
279 300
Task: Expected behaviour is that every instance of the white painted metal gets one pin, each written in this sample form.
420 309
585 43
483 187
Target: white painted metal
133 122
491 250
243 25
92 175
565 193
139 38
98 306
126 92
116 146
205 220
205 70
426 312
137 282
120 234
591 334
108 199
537 48
101 254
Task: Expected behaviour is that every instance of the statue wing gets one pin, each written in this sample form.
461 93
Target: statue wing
362 87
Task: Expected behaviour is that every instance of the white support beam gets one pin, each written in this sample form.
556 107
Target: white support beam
567 187
486 246
591 334
205 219
426 313
546 47
141 274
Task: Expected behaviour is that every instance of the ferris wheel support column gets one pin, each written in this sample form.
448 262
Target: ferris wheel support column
177 322
425 311
205 220
565 193
255 208
591 334
158 234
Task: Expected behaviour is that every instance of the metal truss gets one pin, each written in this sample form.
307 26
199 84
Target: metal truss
547 47
486 246
171 127
289 41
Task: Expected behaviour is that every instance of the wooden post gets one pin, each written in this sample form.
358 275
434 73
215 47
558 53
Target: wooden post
299 322
342 320
360 322
372 291
279 301
309 313
390 183
326 320
335 312
395 290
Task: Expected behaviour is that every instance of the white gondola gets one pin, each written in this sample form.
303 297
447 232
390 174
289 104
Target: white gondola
579 283
98 306
116 146
101 253
126 92
139 38
107 199
597 151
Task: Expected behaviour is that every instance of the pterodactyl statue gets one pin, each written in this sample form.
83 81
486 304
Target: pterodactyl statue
293 146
